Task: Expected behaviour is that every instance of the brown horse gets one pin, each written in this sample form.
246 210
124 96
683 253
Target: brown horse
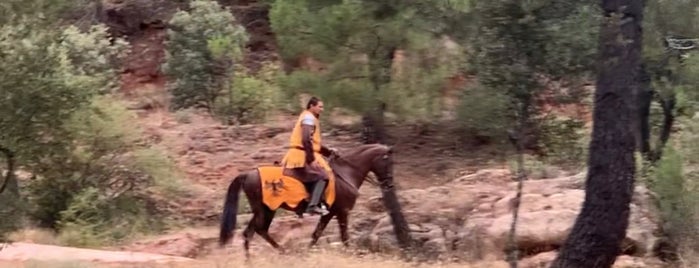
350 169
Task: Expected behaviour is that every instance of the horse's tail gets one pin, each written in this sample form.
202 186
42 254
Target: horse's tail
230 210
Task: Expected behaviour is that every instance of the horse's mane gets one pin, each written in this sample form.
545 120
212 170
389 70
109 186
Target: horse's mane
354 154
350 156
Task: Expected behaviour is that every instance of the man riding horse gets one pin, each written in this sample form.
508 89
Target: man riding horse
304 159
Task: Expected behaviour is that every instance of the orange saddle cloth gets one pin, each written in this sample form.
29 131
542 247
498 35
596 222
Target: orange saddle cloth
278 189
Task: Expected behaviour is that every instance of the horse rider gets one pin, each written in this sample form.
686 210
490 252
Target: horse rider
304 159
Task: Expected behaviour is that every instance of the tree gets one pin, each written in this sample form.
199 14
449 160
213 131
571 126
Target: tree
601 225
358 41
519 52
664 73
203 43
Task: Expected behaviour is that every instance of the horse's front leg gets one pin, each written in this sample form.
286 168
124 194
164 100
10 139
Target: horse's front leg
343 221
322 223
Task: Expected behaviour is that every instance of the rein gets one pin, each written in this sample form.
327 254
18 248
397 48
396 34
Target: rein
368 178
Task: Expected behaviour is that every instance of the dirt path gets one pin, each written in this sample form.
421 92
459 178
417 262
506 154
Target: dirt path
22 252
22 255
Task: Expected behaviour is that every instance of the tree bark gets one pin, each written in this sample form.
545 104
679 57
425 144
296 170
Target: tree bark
595 239
668 121
645 98
380 64
10 157
400 225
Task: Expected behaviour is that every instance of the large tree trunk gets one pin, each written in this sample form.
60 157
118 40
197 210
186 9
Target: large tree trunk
9 177
400 224
601 225
380 63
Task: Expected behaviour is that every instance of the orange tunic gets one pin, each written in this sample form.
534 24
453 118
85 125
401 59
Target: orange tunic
296 156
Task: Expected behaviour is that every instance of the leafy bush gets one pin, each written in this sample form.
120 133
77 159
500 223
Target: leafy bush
484 114
250 98
676 199
202 44
561 139
102 192
92 176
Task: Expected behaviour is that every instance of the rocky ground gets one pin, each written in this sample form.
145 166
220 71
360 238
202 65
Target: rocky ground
458 212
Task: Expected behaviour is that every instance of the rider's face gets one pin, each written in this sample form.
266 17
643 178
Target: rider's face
318 108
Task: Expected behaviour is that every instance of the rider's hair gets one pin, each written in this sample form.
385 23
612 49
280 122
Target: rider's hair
312 102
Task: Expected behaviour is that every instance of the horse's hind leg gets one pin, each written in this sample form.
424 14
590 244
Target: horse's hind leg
248 234
263 228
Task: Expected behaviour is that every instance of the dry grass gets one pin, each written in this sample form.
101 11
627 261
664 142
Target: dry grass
35 235
313 259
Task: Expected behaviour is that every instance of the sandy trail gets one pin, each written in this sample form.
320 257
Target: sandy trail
28 252
25 255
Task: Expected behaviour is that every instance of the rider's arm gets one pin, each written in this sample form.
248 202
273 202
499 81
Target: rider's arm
308 126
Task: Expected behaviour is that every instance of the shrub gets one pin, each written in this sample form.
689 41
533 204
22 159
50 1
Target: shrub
202 44
250 98
484 114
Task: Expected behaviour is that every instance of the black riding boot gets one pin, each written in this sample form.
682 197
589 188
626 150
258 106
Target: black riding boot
314 205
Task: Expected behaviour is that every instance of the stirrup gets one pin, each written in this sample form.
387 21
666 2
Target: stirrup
320 209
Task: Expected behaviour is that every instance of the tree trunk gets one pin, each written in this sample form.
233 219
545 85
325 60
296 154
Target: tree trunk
380 63
600 227
9 177
668 121
400 225
645 98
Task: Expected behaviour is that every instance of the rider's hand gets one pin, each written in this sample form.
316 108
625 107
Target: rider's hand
333 151
316 166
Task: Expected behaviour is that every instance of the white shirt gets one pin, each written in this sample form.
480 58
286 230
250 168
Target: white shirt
308 119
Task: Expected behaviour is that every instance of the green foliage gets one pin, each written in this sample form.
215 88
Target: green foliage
101 193
561 141
93 218
48 10
38 93
521 52
202 43
48 77
94 59
91 177
677 199
484 114
356 41
250 98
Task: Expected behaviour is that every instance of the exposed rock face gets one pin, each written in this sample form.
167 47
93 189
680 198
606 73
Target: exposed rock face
131 17
470 218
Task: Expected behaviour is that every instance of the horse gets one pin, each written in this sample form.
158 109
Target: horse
350 169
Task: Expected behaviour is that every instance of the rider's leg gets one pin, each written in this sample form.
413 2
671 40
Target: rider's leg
314 205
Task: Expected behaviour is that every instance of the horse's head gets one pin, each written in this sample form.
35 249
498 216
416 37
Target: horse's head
381 165
360 160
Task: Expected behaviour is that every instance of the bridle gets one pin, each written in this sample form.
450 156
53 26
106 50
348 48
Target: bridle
385 185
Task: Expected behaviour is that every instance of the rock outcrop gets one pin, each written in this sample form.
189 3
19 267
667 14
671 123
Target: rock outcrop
470 217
